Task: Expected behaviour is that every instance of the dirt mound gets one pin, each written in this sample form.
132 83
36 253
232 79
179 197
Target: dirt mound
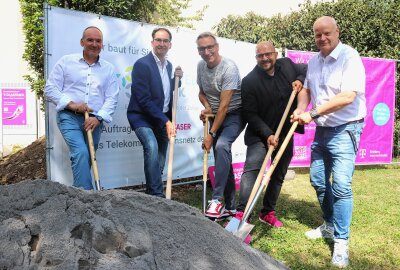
46 225
28 163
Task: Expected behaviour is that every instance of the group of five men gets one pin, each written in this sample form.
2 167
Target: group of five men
334 83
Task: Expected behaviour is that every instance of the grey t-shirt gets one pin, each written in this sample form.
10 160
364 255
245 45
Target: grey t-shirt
224 76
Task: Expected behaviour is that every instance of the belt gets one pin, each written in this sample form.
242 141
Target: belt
356 121
78 113
68 110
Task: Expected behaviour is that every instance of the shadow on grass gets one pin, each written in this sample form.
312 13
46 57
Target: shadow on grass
289 244
305 212
283 244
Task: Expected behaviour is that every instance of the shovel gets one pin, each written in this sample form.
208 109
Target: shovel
243 228
172 141
270 151
93 156
205 162
234 222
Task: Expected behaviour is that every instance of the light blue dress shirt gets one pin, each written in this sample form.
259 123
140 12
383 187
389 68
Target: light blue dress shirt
166 81
73 79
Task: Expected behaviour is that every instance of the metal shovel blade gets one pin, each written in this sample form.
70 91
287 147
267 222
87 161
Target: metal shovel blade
233 225
244 230
238 228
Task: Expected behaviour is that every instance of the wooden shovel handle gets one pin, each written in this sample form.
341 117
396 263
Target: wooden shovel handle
270 151
93 155
205 161
205 153
278 156
172 141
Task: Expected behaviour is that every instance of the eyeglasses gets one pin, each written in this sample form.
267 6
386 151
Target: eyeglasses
209 48
159 40
267 54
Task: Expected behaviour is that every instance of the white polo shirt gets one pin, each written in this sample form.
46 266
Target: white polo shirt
342 70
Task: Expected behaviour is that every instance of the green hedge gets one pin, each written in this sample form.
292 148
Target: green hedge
370 26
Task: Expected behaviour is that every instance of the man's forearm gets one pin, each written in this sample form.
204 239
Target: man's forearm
204 101
303 99
337 102
219 119
225 100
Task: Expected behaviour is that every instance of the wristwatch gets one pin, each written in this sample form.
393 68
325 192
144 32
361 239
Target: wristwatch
99 118
313 113
213 134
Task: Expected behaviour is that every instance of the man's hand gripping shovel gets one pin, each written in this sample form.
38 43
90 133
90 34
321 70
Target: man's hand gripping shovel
242 228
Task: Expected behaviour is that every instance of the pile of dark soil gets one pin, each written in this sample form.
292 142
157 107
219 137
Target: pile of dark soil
28 163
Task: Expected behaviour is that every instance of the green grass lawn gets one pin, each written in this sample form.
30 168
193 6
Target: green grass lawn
375 229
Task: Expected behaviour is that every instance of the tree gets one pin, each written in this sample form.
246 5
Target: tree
162 12
370 26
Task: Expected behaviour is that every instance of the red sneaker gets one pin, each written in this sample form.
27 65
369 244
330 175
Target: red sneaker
271 220
239 215
214 209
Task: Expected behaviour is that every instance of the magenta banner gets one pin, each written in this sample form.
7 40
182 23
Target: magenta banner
377 139
13 106
376 142
237 172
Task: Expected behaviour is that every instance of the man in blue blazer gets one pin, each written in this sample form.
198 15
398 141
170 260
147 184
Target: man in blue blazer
150 107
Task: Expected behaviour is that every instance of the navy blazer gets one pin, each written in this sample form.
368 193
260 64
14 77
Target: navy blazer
145 107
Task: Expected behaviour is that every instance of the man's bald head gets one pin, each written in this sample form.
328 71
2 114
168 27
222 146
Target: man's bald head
266 44
325 20
326 34
266 56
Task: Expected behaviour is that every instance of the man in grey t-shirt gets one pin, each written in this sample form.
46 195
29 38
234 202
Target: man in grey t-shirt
219 82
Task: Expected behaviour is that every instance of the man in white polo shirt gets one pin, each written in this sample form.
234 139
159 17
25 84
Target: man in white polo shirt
335 84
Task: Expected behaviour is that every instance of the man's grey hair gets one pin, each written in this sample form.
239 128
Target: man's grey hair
205 35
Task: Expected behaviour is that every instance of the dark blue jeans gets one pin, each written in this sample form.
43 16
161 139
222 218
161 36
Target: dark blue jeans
224 178
71 128
155 144
254 158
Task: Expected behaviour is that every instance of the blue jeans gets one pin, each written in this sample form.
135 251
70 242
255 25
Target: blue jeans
72 129
155 144
254 158
334 151
224 185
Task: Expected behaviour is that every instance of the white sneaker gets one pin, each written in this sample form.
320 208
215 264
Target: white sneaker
226 214
214 209
324 231
340 257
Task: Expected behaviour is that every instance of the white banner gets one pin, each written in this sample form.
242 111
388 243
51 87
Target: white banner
120 155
